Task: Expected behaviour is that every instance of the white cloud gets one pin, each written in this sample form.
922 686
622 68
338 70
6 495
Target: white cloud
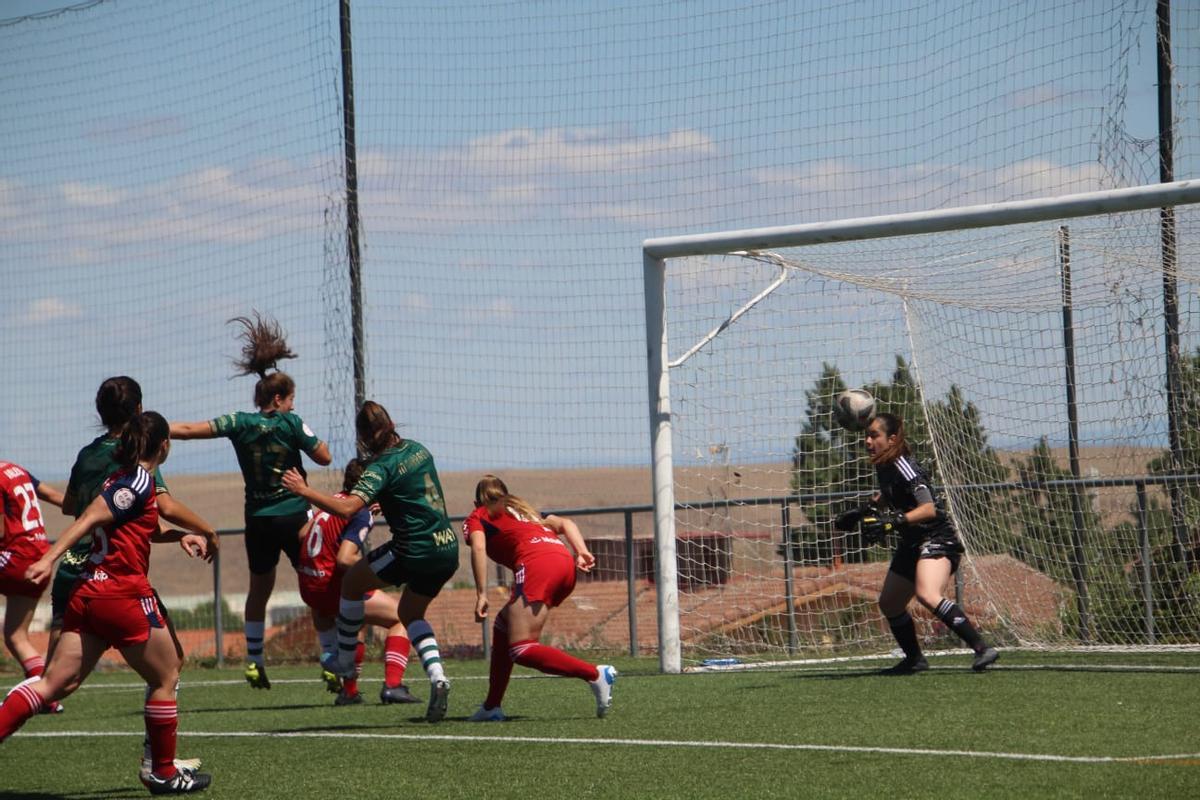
91 195
50 309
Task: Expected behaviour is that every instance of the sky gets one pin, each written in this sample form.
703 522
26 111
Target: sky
176 165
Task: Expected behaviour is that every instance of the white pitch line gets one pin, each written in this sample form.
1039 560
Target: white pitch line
824 748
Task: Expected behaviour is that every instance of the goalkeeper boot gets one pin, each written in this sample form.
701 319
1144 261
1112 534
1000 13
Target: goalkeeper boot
602 688
485 714
190 764
985 659
909 666
183 781
396 694
344 698
439 700
256 676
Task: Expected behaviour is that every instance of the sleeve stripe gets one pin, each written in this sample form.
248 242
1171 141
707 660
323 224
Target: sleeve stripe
906 469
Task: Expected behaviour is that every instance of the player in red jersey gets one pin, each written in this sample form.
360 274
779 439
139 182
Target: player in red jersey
113 604
330 545
23 542
509 531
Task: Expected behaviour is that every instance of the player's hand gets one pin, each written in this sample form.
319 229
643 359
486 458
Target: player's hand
585 561
195 545
876 526
39 570
481 608
848 520
293 481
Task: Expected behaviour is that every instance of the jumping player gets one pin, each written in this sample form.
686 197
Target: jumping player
927 550
330 545
421 556
268 443
23 542
509 531
113 604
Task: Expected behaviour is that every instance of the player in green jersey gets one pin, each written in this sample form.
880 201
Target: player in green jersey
422 555
268 443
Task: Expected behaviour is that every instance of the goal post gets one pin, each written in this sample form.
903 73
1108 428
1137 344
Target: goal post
745 413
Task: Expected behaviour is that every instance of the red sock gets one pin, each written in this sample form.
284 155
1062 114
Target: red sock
395 660
21 704
33 666
551 660
501 666
162 720
350 685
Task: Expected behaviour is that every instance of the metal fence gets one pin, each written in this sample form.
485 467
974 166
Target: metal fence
785 504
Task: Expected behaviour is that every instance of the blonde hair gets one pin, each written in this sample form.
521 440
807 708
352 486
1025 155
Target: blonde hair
491 489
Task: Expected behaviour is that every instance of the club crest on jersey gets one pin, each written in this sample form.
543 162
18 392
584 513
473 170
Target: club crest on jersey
123 498
307 430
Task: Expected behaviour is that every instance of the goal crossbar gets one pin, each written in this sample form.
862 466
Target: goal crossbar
1134 198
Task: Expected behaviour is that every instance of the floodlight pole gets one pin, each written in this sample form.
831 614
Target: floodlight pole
1166 174
352 245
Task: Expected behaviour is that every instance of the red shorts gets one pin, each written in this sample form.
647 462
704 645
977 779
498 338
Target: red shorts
548 579
324 598
120 621
14 561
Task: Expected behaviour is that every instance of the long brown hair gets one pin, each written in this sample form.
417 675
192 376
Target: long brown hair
141 437
490 489
375 429
264 346
117 400
892 426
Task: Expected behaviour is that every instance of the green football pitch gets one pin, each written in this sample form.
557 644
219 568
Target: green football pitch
1038 725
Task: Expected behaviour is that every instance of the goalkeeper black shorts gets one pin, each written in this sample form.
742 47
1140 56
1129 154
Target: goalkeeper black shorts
942 543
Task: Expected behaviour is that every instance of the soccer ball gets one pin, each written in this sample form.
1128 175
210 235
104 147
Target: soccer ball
853 409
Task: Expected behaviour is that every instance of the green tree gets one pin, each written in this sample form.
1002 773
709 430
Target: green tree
829 460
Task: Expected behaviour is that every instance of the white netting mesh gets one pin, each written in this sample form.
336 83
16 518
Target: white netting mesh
962 334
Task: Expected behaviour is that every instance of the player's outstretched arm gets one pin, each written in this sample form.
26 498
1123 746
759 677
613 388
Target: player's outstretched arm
176 512
51 495
97 513
567 528
192 430
321 454
344 507
478 544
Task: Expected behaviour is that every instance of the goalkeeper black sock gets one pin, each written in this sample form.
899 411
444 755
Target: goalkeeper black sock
906 635
956 620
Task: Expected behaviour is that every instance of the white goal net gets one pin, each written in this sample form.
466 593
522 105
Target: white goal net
1029 362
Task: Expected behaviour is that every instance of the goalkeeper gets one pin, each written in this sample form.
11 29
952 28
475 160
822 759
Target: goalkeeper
927 546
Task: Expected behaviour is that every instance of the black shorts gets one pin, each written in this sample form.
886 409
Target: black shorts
423 574
940 544
267 536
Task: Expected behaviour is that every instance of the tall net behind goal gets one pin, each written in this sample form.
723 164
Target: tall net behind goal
1028 362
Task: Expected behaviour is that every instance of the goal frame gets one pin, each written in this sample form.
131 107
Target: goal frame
656 252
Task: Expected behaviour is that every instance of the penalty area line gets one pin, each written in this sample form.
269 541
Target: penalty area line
710 744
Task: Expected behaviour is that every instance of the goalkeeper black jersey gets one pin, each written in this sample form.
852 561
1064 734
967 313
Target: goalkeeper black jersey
904 485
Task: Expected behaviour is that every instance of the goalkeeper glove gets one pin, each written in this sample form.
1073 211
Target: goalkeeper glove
876 526
848 520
